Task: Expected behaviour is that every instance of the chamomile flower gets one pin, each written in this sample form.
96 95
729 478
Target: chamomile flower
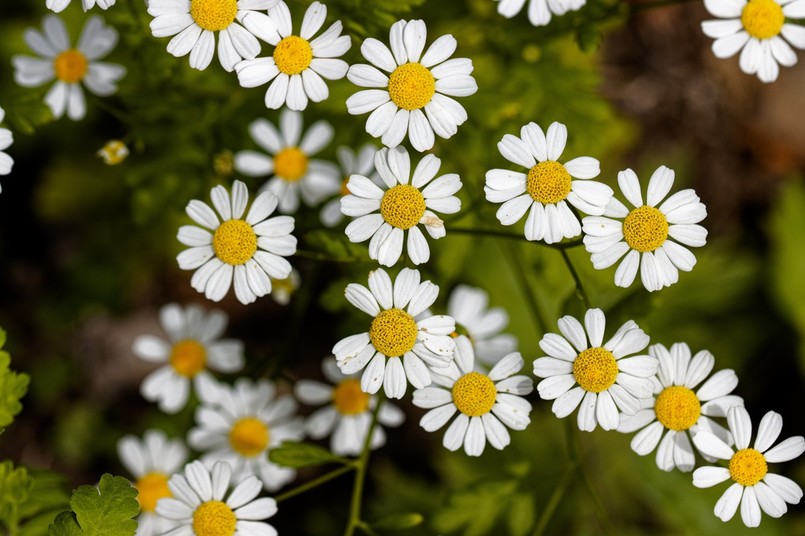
201 505
242 425
547 187
283 289
758 29
6 139
193 346
676 411
193 23
71 67
348 414
289 161
486 403
469 306
361 162
299 64
539 11
414 98
57 6
384 214
151 461
754 488
113 152
397 349
647 234
249 251
597 378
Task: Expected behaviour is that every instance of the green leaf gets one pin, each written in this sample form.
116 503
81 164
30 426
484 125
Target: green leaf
15 486
47 498
521 514
399 521
13 387
103 511
296 455
475 509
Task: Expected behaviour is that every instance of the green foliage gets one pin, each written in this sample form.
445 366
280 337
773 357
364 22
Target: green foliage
29 500
297 455
13 387
15 486
399 521
103 511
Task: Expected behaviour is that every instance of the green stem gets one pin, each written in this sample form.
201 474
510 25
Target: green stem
360 475
522 277
511 236
580 293
314 483
554 501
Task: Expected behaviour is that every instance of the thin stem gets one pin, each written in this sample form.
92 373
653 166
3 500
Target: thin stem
314 483
554 501
519 271
360 476
512 236
582 295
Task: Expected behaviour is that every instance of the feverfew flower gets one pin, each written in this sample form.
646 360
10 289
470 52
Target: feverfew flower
58 6
675 410
249 250
193 23
6 139
539 11
754 488
384 214
414 98
360 162
289 160
71 67
485 402
397 349
758 29
242 425
646 231
283 289
547 187
348 414
151 461
194 345
299 64
201 507
113 152
607 382
469 306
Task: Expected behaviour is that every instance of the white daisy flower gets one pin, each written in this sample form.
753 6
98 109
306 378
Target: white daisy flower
676 411
242 425
249 250
758 29
71 67
350 163
415 97
485 402
289 160
194 345
283 289
396 347
194 22
57 6
547 187
151 461
299 64
469 306
348 414
539 11
754 488
384 214
647 229
6 139
113 152
607 382
201 507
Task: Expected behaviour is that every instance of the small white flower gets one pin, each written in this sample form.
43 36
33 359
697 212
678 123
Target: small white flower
397 349
758 29
414 98
350 163
6 139
249 251
113 152
299 64
71 67
607 382
348 414
202 507
469 306
151 461
384 214
646 232
754 488
539 11
194 345
676 411
57 6
289 160
283 289
547 187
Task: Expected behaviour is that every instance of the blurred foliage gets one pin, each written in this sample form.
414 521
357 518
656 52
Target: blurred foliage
13 387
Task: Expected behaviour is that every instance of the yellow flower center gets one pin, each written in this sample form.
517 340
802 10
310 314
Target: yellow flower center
748 467
402 206
645 229
214 518
393 332
293 55
344 189
188 357
234 242
677 408
113 152
474 394
349 399
762 19
213 15
290 164
151 488
249 436
70 66
411 86
595 369
224 163
548 182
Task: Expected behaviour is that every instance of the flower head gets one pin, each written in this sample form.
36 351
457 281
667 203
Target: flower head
360 162
113 152
6 139
57 6
539 11
283 289
469 306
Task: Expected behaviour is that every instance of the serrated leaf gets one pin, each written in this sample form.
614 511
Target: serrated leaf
106 510
399 521
15 486
297 455
476 509
13 387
